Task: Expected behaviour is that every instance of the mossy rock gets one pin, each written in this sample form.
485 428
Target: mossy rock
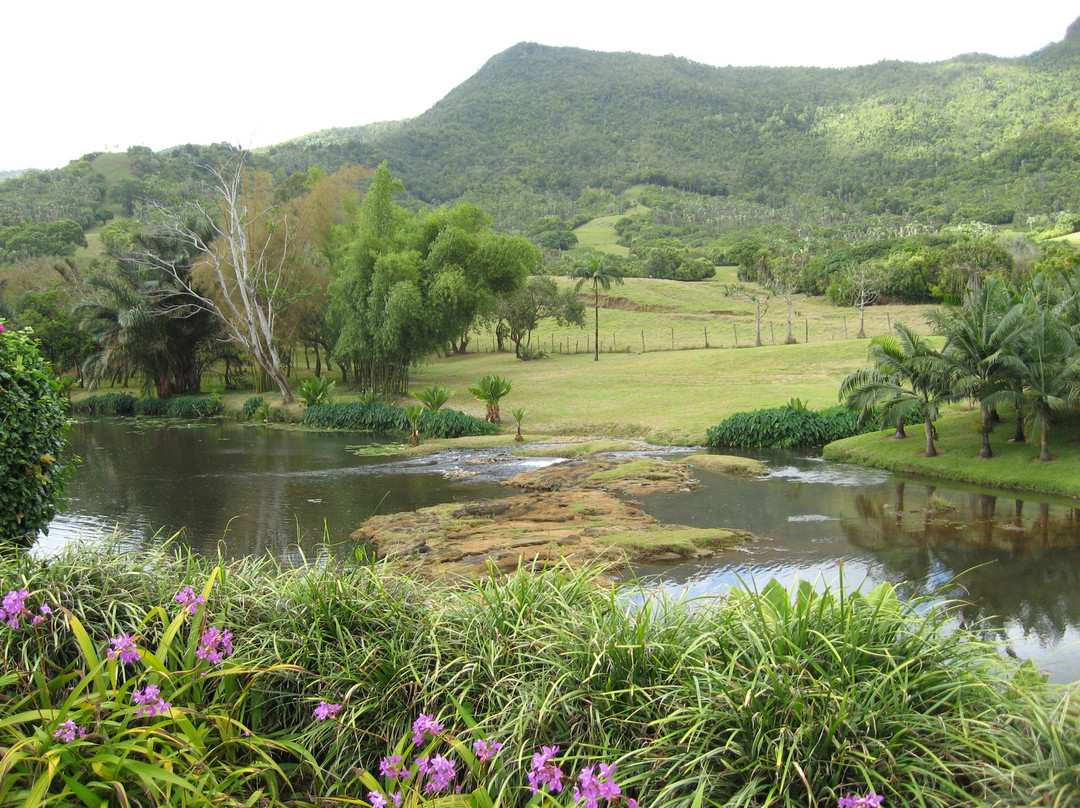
728 464
664 541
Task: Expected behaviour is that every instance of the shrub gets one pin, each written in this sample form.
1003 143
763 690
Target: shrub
107 404
33 417
252 407
792 426
125 404
316 391
378 417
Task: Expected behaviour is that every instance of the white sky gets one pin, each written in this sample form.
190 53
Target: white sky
101 76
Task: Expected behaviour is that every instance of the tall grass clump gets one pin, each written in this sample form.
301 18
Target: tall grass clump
762 698
378 417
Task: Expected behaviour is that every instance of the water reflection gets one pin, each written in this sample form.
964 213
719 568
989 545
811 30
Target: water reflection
247 490
1014 562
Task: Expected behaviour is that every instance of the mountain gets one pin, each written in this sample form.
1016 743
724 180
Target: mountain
538 129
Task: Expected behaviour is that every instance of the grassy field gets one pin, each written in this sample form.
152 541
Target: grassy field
662 395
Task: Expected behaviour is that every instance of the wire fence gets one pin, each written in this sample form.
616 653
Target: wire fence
728 332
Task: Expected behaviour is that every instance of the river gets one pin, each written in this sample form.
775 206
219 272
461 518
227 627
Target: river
244 490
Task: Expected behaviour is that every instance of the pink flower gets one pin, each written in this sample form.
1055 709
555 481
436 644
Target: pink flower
151 701
423 725
392 767
485 751
325 710
376 799
123 648
187 598
215 645
69 731
13 607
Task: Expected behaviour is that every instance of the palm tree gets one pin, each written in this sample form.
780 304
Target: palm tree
908 374
981 338
490 389
596 272
433 398
1049 372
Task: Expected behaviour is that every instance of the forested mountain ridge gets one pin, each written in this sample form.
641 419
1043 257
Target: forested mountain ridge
976 137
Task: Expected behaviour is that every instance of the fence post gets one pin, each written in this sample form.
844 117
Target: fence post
706 336
673 338
806 335
643 340
735 328
845 326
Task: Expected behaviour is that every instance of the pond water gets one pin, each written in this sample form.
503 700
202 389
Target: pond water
250 491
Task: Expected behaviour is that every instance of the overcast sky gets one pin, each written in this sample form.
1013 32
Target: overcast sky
101 76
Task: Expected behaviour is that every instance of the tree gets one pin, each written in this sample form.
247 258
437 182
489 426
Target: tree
760 296
34 417
979 341
908 374
408 284
521 312
1049 370
862 280
143 317
490 390
248 253
595 272
784 278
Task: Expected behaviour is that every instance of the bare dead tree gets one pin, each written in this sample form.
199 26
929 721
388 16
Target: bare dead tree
863 281
242 278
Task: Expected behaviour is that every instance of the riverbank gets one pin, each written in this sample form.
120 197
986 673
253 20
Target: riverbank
1014 466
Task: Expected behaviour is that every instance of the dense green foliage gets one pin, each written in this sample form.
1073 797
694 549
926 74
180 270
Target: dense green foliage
125 404
378 417
33 418
407 285
788 427
770 698
60 237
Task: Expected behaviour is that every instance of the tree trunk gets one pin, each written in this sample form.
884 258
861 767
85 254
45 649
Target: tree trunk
928 426
596 321
862 322
1044 455
984 424
900 433
1018 436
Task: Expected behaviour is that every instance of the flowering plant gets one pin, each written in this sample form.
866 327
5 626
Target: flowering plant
144 720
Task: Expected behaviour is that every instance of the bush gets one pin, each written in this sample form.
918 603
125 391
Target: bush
316 391
33 417
252 407
106 404
791 427
125 404
378 417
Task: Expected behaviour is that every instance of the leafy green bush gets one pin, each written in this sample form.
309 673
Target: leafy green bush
790 427
106 404
124 404
316 391
252 407
378 417
33 417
